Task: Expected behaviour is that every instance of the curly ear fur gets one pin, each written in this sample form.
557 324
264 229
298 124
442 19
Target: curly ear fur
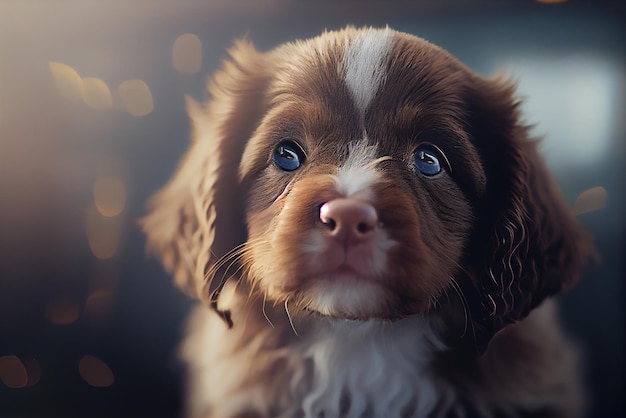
181 226
526 245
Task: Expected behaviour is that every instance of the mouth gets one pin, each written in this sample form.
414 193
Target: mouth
354 265
346 273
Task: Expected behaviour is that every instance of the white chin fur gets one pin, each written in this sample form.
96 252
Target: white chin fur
346 298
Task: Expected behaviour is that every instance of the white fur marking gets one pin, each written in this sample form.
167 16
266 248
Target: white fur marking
364 65
356 175
332 296
395 375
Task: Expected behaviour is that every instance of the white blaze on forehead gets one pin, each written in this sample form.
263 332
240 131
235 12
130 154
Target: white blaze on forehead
357 174
364 65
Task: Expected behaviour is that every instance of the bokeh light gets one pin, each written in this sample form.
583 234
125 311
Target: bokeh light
96 93
591 200
572 101
103 233
33 370
109 196
67 80
187 54
63 310
95 372
98 305
136 97
12 372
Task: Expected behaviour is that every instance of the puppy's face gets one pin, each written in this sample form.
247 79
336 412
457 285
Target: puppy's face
366 174
361 178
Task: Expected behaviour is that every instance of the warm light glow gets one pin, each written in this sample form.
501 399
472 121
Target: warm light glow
95 372
136 97
103 234
109 196
98 305
187 54
62 310
12 372
96 93
68 81
591 200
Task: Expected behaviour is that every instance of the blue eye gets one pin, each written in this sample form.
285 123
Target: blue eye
288 156
429 160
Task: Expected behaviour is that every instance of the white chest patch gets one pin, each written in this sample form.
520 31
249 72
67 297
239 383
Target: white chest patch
333 369
364 65
371 369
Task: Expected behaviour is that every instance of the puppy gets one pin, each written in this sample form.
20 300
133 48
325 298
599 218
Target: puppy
373 234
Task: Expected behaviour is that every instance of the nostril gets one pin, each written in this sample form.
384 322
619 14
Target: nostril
364 228
326 218
329 223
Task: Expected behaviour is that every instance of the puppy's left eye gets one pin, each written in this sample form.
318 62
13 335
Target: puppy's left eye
288 155
429 160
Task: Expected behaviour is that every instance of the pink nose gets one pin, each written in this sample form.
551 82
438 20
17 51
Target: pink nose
349 220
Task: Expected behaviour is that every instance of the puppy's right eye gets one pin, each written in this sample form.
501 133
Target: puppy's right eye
288 155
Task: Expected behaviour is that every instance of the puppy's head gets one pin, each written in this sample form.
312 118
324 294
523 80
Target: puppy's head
366 174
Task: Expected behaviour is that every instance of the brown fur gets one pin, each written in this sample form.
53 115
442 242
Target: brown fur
481 246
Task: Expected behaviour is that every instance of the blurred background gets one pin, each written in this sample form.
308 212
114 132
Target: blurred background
92 122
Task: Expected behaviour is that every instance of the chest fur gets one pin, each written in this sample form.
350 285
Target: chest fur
330 369
370 369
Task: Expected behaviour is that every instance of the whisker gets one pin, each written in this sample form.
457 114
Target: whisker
374 163
289 317
233 260
265 314
210 273
252 288
219 263
466 311
231 256
210 277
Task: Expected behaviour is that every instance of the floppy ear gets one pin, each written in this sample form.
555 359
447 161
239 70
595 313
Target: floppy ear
199 215
527 245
